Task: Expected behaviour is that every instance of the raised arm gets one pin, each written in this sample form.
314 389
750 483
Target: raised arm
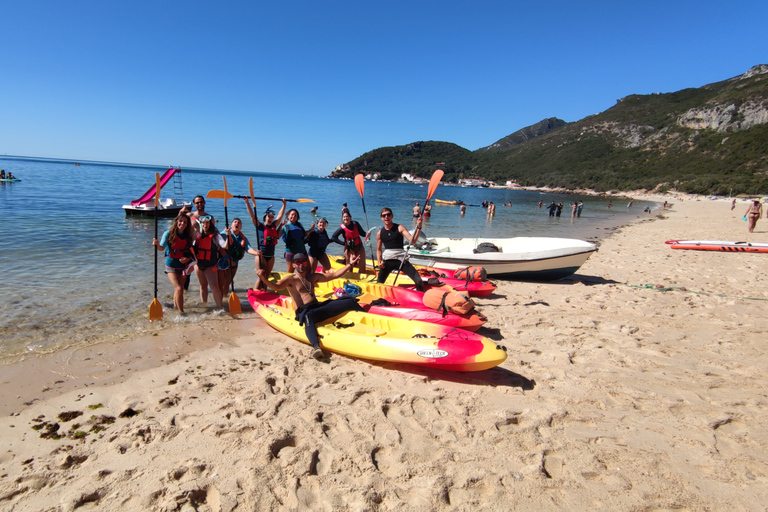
330 276
250 212
280 214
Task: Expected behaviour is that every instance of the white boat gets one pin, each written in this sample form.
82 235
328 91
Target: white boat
523 258
165 208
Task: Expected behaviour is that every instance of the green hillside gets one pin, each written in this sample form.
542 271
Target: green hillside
709 140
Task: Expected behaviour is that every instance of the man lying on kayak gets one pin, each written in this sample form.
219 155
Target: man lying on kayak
301 285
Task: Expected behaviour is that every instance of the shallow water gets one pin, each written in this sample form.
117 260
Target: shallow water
76 270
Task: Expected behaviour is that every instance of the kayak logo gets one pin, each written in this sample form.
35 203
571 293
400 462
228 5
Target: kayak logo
432 353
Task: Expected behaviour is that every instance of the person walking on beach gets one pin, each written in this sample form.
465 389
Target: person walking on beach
733 204
389 249
552 209
317 240
309 311
268 234
177 244
293 234
207 248
352 242
754 212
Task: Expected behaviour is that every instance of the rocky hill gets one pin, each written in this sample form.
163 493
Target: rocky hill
709 140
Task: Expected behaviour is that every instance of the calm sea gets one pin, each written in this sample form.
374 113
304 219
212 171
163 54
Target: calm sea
76 270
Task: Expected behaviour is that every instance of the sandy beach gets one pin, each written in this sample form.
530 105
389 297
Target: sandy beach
637 384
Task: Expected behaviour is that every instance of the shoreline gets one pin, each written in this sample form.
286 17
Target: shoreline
636 383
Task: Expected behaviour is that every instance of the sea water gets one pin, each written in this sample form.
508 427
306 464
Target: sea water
76 270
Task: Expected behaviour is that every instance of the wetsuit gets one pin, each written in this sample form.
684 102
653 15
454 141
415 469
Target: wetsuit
318 242
309 315
392 242
352 236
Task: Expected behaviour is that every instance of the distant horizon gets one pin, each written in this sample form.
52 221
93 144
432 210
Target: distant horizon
148 166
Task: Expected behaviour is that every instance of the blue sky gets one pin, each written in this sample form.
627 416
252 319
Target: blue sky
302 86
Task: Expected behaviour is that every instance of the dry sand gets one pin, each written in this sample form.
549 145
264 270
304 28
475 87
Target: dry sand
617 395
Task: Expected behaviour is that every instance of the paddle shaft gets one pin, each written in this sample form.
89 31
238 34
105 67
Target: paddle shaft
360 184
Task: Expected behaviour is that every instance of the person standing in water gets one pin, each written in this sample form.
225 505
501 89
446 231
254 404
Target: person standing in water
207 248
268 234
177 244
309 311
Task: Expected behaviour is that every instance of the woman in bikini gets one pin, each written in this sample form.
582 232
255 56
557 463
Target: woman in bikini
754 212
267 233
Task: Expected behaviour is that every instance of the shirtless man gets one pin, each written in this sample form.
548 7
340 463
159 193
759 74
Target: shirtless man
416 211
301 285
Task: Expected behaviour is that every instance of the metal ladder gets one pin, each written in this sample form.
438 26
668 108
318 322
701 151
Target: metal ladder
178 194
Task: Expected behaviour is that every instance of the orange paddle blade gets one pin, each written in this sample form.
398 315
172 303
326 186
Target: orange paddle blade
218 194
434 182
360 184
303 200
225 191
157 189
155 311
250 186
234 304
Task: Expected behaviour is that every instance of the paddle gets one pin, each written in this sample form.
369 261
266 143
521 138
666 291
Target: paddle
360 185
223 194
434 181
156 309
234 301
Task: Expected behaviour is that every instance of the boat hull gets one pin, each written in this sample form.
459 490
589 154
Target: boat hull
379 338
521 258
167 208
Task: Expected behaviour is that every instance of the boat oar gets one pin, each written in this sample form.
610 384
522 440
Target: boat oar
223 194
360 185
234 301
156 309
434 181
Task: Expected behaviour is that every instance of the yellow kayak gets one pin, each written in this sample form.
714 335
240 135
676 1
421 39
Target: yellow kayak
387 339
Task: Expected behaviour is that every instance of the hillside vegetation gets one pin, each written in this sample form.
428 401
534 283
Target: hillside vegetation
708 140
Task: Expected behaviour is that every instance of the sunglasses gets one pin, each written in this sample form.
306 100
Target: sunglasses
386 215
300 262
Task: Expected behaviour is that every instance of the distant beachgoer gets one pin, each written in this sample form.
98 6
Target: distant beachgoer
574 207
293 234
754 212
317 240
733 204
268 234
462 209
416 211
578 210
610 203
2 174
177 243
301 286
629 205
427 210
552 208
207 249
352 241
559 210
541 203
313 211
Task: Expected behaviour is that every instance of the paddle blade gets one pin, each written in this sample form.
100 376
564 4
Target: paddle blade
360 184
434 181
303 200
234 304
155 311
250 187
157 190
218 194
225 191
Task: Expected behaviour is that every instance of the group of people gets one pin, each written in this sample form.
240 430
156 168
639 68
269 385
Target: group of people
194 244
4 176
556 210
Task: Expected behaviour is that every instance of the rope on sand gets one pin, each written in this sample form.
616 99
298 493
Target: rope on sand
662 288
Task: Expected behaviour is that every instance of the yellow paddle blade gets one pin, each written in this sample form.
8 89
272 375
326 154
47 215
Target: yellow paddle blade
234 304
225 191
218 194
155 311
302 200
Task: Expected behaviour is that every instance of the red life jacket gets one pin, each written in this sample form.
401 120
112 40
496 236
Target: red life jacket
177 248
352 236
271 235
207 251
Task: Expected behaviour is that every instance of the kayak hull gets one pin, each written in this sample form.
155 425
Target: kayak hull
716 245
379 338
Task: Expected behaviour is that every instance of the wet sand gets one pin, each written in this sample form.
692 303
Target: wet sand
637 384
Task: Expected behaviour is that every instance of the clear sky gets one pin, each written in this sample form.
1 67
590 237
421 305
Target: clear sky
302 86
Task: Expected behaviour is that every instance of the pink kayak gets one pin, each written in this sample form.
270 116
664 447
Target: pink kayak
406 303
